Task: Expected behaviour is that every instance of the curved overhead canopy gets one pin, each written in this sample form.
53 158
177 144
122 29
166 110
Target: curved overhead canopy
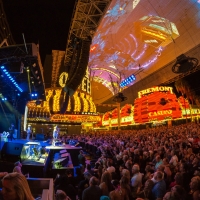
142 34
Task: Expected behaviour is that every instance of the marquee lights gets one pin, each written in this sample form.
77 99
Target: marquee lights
63 79
85 103
159 113
7 74
155 89
56 102
77 103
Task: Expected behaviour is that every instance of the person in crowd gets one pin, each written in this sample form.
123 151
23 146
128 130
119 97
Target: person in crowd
110 168
105 184
66 187
81 158
136 180
126 173
174 158
159 188
18 167
118 193
2 174
177 193
61 195
15 187
11 131
194 193
178 180
158 162
146 193
183 168
93 192
55 133
89 170
29 132
125 184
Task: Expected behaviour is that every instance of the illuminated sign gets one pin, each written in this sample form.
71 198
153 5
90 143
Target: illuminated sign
74 118
62 79
85 84
150 107
160 113
127 119
155 89
105 123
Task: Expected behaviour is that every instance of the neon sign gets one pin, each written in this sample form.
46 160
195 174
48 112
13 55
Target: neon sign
155 89
160 113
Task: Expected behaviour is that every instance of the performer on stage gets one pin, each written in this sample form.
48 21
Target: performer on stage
29 131
11 131
55 133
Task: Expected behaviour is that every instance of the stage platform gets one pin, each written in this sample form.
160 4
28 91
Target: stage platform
39 158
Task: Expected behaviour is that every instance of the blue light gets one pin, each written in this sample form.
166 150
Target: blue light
128 80
18 94
35 95
11 79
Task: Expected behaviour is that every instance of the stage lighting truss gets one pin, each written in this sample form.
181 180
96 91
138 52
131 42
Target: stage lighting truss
10 78
29 69
86 18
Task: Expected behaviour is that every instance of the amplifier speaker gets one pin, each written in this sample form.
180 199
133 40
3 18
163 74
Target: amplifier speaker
11 151
75 80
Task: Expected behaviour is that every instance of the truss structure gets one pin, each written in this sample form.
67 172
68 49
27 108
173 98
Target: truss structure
86 18
5 33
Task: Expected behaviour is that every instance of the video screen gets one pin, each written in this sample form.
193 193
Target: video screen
139 37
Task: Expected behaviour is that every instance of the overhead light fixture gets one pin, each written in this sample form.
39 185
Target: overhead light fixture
7 74
128 80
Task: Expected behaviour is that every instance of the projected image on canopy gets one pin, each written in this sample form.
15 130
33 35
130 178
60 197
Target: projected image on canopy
129 38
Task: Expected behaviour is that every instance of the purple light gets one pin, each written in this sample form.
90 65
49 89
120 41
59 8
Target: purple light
136 44
158 51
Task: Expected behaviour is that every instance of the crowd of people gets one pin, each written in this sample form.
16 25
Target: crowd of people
155 164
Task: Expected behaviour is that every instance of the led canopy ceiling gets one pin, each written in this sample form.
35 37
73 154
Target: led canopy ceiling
141 34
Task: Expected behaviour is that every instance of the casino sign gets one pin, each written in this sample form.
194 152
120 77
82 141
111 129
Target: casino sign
156 104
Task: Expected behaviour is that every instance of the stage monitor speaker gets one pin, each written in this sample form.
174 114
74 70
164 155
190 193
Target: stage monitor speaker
11 151
39 137
11 148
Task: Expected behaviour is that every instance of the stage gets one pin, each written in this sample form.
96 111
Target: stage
39 158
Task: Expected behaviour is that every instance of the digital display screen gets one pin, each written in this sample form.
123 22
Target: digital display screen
135 34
